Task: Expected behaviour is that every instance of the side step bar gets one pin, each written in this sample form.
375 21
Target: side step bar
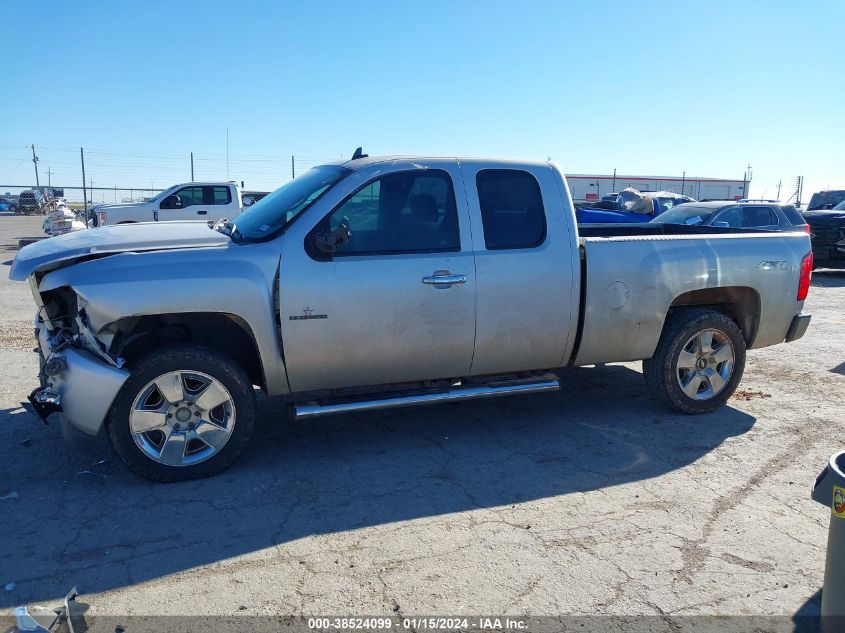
454 394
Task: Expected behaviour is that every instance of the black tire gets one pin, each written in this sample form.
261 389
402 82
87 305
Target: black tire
189 359
661 371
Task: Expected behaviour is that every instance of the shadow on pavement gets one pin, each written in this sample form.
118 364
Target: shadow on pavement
81 522
829 278
808 618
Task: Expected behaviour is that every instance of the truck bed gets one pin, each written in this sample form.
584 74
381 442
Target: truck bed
648 228
633 274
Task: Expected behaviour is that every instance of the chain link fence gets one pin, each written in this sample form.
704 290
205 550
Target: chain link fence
20 219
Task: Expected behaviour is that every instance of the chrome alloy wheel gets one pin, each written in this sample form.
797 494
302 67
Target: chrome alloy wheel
705 364
182 418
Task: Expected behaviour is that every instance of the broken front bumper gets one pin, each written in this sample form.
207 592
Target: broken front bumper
76 383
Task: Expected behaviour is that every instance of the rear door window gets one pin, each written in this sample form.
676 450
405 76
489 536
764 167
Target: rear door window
511 209
220 195
793 215
758 216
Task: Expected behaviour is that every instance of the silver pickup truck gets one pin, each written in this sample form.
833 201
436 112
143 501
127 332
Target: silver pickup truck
383 282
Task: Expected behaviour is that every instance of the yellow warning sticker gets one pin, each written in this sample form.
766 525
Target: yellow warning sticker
839 502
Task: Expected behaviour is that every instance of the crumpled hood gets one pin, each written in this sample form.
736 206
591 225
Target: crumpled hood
64 250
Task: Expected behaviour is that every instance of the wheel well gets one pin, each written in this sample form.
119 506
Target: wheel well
224 333
740 303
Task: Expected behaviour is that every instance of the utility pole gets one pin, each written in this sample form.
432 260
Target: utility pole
49 179
780 182
614 180
683 182
292 170
227 153
84 190
799 186
35 160
746 181
192 167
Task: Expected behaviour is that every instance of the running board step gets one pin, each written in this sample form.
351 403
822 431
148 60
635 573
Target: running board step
454 394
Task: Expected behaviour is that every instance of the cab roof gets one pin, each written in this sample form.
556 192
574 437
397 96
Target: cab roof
358 163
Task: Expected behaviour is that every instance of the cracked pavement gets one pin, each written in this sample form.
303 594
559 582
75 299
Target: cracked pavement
592 500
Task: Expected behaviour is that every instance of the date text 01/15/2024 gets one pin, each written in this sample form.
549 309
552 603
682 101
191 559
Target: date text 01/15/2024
418 623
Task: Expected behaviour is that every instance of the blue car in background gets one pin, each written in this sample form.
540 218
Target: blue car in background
4 208
613 208
594 215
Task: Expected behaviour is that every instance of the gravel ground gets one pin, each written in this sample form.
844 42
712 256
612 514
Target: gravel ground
592 500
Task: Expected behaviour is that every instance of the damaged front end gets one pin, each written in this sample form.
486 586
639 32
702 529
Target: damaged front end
78 376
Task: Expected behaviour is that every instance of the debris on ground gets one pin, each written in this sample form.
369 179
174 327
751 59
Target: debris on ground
748 394
43 620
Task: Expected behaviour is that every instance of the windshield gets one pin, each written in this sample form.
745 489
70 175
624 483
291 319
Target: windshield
664 204
159 195
824 198
686 214
270 215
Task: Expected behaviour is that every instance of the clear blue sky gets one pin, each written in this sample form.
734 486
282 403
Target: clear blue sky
646 87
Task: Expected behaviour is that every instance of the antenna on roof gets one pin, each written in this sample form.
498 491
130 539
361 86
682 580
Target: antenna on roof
359 153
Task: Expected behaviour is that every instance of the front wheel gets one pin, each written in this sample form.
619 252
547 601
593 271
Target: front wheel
698 362
184 413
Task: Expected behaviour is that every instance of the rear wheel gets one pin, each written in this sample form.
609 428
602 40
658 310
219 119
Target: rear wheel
698 362
184 413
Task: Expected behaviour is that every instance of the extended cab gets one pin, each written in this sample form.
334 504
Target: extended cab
383 282
191 201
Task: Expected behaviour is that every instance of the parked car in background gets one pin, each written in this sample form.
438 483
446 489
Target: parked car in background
598 215
826 199
10 203
190 201
4 208
772 216
369 284
27 202
827 232
249 198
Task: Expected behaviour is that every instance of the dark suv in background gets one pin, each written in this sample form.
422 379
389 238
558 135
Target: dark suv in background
744 214
827 232
826 199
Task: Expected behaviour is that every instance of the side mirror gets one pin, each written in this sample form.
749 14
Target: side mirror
172 202
829 205
330 241
722 225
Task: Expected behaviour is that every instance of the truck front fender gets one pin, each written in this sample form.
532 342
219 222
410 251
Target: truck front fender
235 281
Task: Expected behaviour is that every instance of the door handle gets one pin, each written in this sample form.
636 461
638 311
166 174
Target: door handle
444 280
202 212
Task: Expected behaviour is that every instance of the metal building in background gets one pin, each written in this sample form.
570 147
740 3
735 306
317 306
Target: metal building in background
591 187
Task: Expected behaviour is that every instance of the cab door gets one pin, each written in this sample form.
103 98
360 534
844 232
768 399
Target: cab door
222 202
188 203
527 267
396 302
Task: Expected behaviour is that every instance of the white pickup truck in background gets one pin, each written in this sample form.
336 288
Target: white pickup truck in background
190 201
